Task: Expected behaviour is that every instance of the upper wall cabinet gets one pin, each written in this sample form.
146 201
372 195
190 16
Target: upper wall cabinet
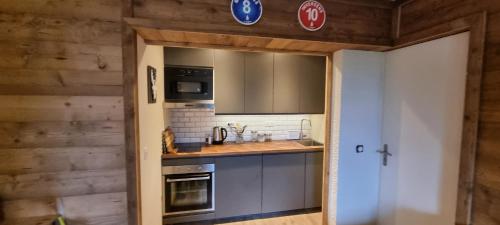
189 57
229 81
299 84
259 82
287 72
312 84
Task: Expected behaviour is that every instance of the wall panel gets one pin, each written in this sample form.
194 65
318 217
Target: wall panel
61 113
355 21
486 193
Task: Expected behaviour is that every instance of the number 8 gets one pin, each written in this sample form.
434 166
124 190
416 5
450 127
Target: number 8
246 7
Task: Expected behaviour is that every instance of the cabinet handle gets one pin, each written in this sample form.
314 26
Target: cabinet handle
188 179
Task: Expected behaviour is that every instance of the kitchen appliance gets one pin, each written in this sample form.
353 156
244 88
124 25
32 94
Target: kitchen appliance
189 147
189 84
219 135
188 189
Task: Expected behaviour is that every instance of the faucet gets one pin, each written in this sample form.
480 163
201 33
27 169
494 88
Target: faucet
301 128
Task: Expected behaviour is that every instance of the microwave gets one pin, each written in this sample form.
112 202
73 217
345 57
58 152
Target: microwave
189 84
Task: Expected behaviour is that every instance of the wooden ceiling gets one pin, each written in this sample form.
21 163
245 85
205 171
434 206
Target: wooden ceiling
175 38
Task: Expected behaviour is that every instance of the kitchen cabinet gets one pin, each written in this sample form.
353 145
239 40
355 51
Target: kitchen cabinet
312 88
283 182
264 183
238 186
287 77
189 57
229 78
259 82
314 180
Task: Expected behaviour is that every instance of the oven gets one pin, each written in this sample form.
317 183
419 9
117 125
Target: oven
189 84
188 189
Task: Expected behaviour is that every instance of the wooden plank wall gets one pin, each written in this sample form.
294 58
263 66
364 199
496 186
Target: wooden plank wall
419 14
61 112
351 21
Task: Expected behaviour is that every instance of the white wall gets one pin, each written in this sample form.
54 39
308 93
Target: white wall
318 127
151 124
423 112
192 125
361 76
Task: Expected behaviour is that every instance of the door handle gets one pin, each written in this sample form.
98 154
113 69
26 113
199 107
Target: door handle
188 179
385 154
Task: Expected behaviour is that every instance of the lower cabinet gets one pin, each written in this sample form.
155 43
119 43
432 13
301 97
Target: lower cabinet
238 186
314 179
255 184
283 182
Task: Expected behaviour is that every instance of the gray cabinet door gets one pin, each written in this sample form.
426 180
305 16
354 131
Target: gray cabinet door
189 57
314 179
229 73
287 78
259 82
312 92
238 186
283 182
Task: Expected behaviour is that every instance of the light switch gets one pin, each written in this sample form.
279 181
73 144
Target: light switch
360 148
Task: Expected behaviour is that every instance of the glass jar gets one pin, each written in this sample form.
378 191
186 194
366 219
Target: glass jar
261 137
269 137
255 136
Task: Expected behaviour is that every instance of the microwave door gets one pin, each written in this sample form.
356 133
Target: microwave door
189 87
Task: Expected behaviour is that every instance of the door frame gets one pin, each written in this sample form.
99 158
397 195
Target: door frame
476 25
132 145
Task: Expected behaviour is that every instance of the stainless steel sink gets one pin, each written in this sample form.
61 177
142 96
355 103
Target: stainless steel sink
309 143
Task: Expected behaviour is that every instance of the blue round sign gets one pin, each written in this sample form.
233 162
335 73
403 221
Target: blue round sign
246 12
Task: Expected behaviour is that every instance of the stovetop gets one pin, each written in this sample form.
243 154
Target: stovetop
189 147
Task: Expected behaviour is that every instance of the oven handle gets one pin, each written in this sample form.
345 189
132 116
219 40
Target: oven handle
188 179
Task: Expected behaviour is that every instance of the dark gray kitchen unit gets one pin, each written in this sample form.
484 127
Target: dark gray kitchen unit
238 184
312 88
229 78
283 183
299 83
262 183
189 57
258 83
314 180
287 83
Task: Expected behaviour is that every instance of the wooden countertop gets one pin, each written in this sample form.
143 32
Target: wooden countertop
250 148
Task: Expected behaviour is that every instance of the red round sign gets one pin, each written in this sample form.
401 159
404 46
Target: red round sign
312 15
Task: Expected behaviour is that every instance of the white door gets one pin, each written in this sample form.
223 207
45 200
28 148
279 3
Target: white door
422 125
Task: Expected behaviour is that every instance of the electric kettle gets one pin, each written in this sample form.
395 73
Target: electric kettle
219 135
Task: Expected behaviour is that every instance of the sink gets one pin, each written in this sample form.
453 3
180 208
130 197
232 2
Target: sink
310 143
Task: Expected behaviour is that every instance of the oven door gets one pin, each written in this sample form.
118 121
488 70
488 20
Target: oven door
188 193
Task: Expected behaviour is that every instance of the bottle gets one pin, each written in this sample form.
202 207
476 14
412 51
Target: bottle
269 137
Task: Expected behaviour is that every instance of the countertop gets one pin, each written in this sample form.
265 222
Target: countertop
250 148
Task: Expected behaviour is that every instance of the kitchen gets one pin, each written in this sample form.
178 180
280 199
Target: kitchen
406 117
297 135
248 126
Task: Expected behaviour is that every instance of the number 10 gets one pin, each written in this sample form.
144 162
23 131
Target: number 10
312 14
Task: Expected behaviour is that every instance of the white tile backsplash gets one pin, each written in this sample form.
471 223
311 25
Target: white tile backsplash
192 125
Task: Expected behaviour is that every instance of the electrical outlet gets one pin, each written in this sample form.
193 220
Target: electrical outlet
360 148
